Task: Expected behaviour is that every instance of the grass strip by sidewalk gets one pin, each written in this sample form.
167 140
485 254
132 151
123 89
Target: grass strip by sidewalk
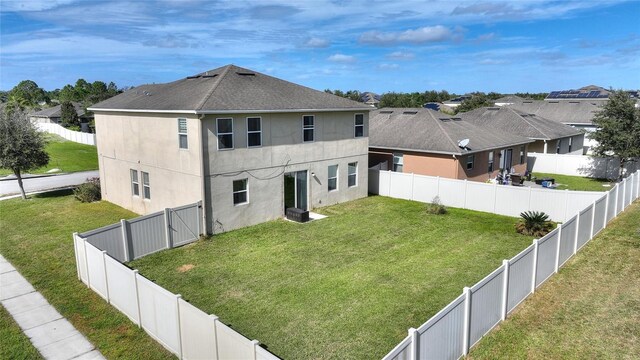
68 156
36 238
578 183
589 310
14 344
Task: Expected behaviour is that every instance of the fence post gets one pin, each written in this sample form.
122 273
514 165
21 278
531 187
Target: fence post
529 204
467 321
412 185
167 227
557 264
575 240
505 289
390 176
199 217
135 282
593 219
615 211
495 196
254 349
606 209
106 280
75 252
438 186
535 265
464 203
215 334
86 261
178 297
125 239
414 343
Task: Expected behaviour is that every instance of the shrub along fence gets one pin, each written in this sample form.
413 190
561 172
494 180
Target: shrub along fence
183 329
458 326
75 136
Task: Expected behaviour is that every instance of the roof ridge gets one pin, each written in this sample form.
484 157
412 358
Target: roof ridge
455 145
528 122
224 72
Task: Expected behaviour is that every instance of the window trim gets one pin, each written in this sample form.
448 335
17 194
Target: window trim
473 161
397 155
254 132
312 128
246 190
337 177
233 144
185 134
134 184
491 161
146 186
355 125
355 174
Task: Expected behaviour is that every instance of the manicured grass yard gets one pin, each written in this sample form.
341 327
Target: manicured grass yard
35 236
589 310
15 344
344 287
67 156
566 182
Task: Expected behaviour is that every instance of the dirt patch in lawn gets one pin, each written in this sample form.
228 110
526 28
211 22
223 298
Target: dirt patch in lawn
185 268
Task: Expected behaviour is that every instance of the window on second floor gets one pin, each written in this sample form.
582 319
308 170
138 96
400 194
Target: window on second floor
332 178
398 162
307 128
146 186
490 167
254 131
224 129
183 141
359 125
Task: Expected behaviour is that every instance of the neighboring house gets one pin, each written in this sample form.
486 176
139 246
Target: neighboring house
591 93
53 114
454 103
549 136
370 99
248 145
438 107
508 100
426 142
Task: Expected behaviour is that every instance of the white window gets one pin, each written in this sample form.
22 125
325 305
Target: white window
470 160
332 179
398 162
570 143
135 184
146 188
254 131
490 167
182 134
522 158
352 174
240 191
307 128
359 125
224 129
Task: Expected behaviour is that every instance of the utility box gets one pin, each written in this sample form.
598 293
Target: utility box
298 215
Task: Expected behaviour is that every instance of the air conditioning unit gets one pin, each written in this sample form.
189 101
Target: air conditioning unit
298 215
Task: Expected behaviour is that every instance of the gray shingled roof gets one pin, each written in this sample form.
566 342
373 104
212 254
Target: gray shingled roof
56 111
566 112
226 89
514 121
426 130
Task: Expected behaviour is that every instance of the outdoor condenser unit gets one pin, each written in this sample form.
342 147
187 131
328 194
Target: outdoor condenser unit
299 215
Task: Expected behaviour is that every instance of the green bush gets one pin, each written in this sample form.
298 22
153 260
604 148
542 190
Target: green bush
436 207
535 223
89 191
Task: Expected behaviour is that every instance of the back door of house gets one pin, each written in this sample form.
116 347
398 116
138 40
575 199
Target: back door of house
295 190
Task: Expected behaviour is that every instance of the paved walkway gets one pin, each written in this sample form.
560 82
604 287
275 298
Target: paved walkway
50 333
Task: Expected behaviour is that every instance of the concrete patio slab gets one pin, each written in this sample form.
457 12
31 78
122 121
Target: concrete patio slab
69 348
51 332
24 303
17 288
36 317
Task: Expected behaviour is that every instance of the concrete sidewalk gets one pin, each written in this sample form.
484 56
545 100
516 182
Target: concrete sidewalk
49 332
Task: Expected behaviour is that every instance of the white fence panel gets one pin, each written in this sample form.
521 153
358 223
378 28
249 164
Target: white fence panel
402 351
547 248
452 192
441 336
620 198
425 188
486 305
511 200
584 226
232 345
384 182
401 186
374 181
598 217
97 275
520 276
122 288
552 202
481 196
159 313
262 354
567 239
75 136
628 194
198 333
611 205
81 260
578 200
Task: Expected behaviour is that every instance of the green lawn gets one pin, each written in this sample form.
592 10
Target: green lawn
344 287
589 310
15 344
566 182
35 236
67 156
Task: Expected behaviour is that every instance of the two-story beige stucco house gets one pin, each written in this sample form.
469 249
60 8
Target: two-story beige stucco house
248 145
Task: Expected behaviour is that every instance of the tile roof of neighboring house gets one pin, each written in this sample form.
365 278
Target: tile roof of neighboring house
56 111
565 112
426 130
514 121
370 98
508 99
226 89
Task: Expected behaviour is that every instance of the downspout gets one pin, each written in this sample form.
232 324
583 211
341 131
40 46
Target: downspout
205 227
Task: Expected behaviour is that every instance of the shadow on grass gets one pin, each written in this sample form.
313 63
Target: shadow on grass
53 194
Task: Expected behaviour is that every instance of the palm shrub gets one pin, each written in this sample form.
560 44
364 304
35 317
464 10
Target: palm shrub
534 223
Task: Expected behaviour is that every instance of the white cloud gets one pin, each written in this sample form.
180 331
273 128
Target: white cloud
32 5
427 34
401 55
385 66
341 58
317 43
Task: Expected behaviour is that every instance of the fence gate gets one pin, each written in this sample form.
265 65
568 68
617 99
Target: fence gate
184 224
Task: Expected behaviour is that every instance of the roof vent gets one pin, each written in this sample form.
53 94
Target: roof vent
554 102
193 77
493 108
386 112
456 119
445 119
409 112
209 76
527 102
245 73
574 102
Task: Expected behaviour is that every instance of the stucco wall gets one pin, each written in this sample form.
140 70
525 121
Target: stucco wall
148 143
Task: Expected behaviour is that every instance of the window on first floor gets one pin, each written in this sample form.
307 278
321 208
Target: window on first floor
522 158
470 161
352 174
240 191
570 143
490 166
146 186
332 178
359 125
398 162
135 184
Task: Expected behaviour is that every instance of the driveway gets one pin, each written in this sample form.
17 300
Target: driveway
40 183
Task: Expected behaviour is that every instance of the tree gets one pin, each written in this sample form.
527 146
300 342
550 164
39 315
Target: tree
477 100
68 115
30 92
618 129
22 146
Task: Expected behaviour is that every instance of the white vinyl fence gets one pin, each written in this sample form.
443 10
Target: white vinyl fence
75 136
458 326
183 329
578 165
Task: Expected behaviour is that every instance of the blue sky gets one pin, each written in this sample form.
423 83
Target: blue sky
369 45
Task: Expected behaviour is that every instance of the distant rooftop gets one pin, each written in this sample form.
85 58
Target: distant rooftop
591 92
